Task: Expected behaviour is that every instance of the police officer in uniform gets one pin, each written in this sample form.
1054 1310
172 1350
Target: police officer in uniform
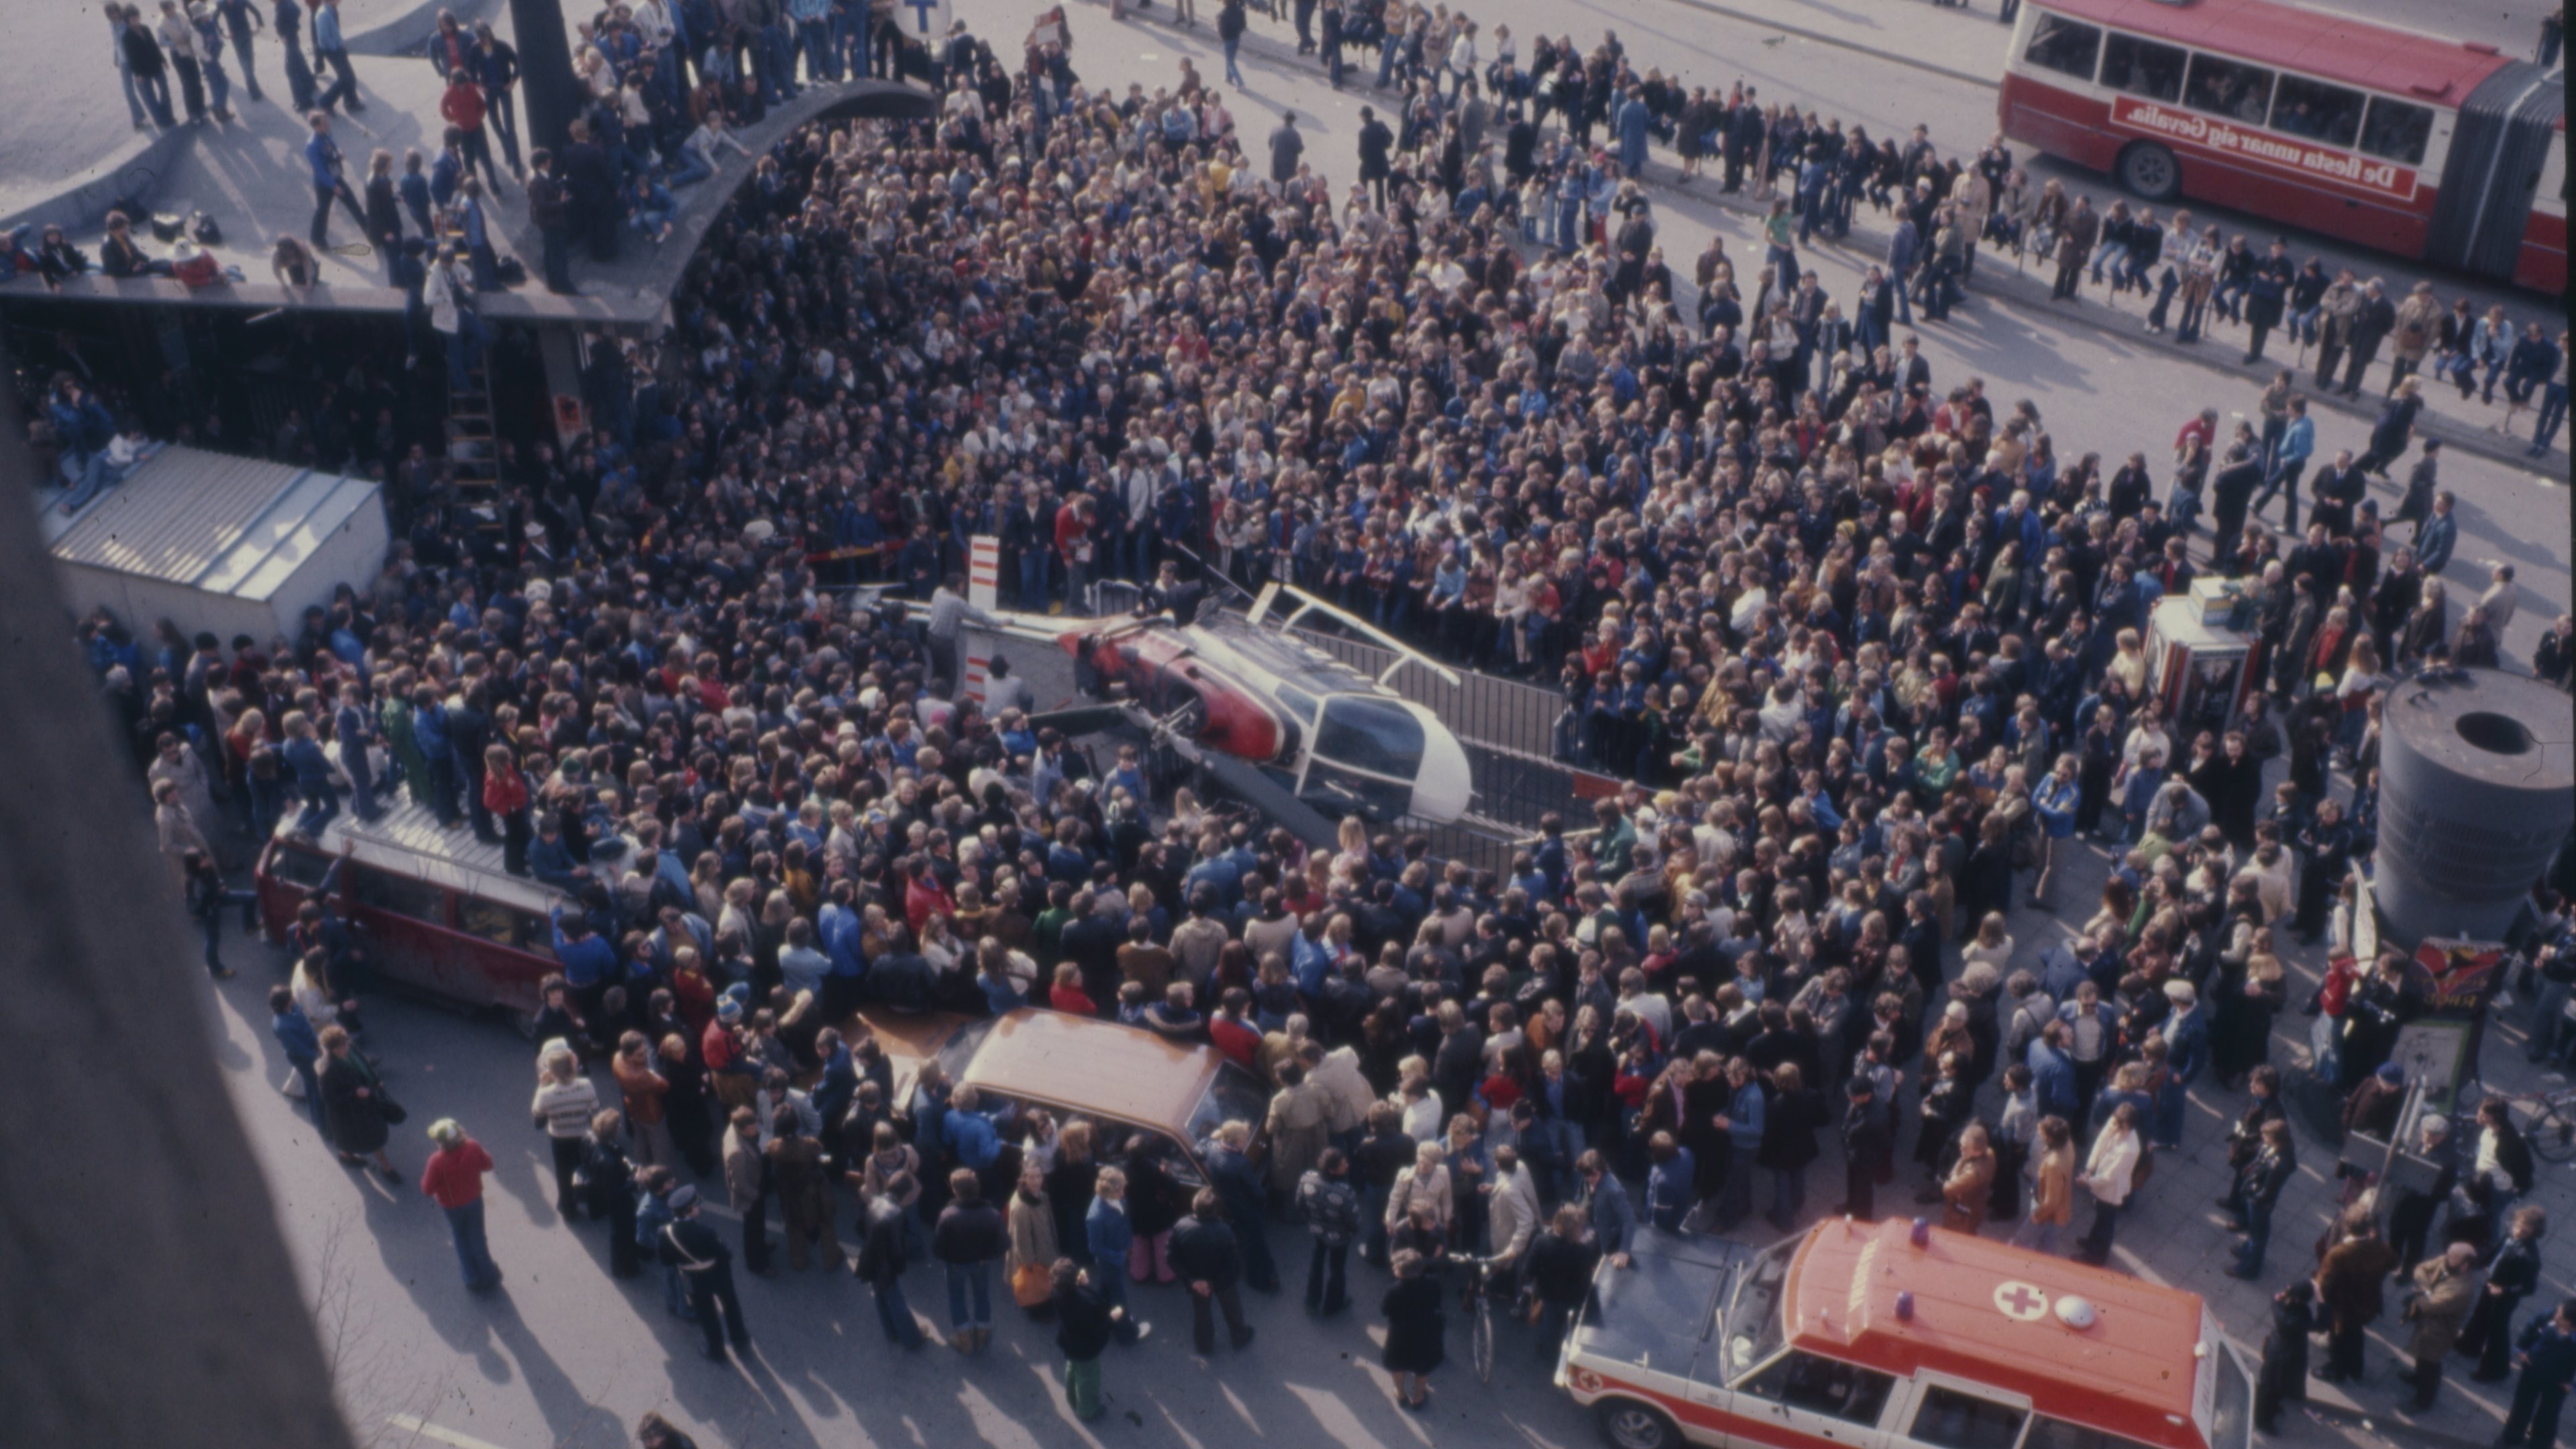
706 1270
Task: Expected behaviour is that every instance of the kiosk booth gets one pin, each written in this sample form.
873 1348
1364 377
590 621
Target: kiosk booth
2199 665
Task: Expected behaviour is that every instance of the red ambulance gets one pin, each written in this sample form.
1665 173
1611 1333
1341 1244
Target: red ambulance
1894 1335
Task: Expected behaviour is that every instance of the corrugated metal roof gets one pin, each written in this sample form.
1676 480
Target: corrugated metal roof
212 521
285 534
407 840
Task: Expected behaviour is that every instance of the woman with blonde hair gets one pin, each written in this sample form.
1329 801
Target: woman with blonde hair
1993 945
2052 1188
1187 812
2128 662
1417 1099
1425 1187
355 1104
1352 860
1031 1222
707 883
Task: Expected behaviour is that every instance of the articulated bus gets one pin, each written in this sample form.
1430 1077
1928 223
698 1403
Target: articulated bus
2439 150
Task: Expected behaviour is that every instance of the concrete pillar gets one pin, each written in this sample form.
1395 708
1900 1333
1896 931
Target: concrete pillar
546 82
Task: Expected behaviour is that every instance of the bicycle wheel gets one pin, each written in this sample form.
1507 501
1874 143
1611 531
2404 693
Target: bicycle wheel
2552 1134
1480 1341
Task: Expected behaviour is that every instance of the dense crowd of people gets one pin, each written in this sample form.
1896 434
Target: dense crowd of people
1867 649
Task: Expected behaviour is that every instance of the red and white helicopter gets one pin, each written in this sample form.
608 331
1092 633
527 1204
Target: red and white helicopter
1273 718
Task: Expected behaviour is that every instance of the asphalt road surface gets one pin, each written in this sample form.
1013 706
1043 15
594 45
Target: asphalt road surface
565 1355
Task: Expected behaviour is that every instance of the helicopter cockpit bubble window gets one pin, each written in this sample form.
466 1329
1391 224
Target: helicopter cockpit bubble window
1378 736
1301 705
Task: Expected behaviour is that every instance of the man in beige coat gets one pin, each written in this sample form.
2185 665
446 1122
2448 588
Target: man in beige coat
1974 198
2445 1291
1295 1127
1347 1095
1512 1216
2419 322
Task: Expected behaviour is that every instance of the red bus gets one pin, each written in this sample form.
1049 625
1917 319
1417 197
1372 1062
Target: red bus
2441 150
441 917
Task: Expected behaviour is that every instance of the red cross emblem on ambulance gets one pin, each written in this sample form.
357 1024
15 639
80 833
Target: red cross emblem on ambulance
2021 1302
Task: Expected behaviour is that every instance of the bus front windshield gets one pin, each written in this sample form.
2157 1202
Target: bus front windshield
1752 1325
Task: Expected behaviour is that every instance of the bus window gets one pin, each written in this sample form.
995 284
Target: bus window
302 869
2063 45
478 917
2229 88
1801 1380
536 934
2048 1433
1954 1420
2396 131
402 896
2142 67
2318 111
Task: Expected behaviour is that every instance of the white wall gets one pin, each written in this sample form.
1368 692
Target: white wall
141 603
354 554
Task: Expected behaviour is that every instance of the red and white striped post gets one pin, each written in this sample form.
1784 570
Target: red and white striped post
984 591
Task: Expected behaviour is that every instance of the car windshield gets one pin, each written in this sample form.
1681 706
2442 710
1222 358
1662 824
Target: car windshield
959 1049
1233 1097
1364 732
2231 1420
1752 1325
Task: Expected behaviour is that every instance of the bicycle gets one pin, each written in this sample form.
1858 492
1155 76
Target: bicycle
2547 1120
1484 1284
2551 1132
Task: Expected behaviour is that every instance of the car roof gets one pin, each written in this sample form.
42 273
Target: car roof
1079 1063
1091 1065
407 840
2133 1372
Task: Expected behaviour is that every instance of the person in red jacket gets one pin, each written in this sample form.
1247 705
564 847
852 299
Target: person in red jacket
454 1178
923 895
505 798
463 107
1073 545
1229 1030
1067 995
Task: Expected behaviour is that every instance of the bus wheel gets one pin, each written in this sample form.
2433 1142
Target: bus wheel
2150 171
1628 1424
